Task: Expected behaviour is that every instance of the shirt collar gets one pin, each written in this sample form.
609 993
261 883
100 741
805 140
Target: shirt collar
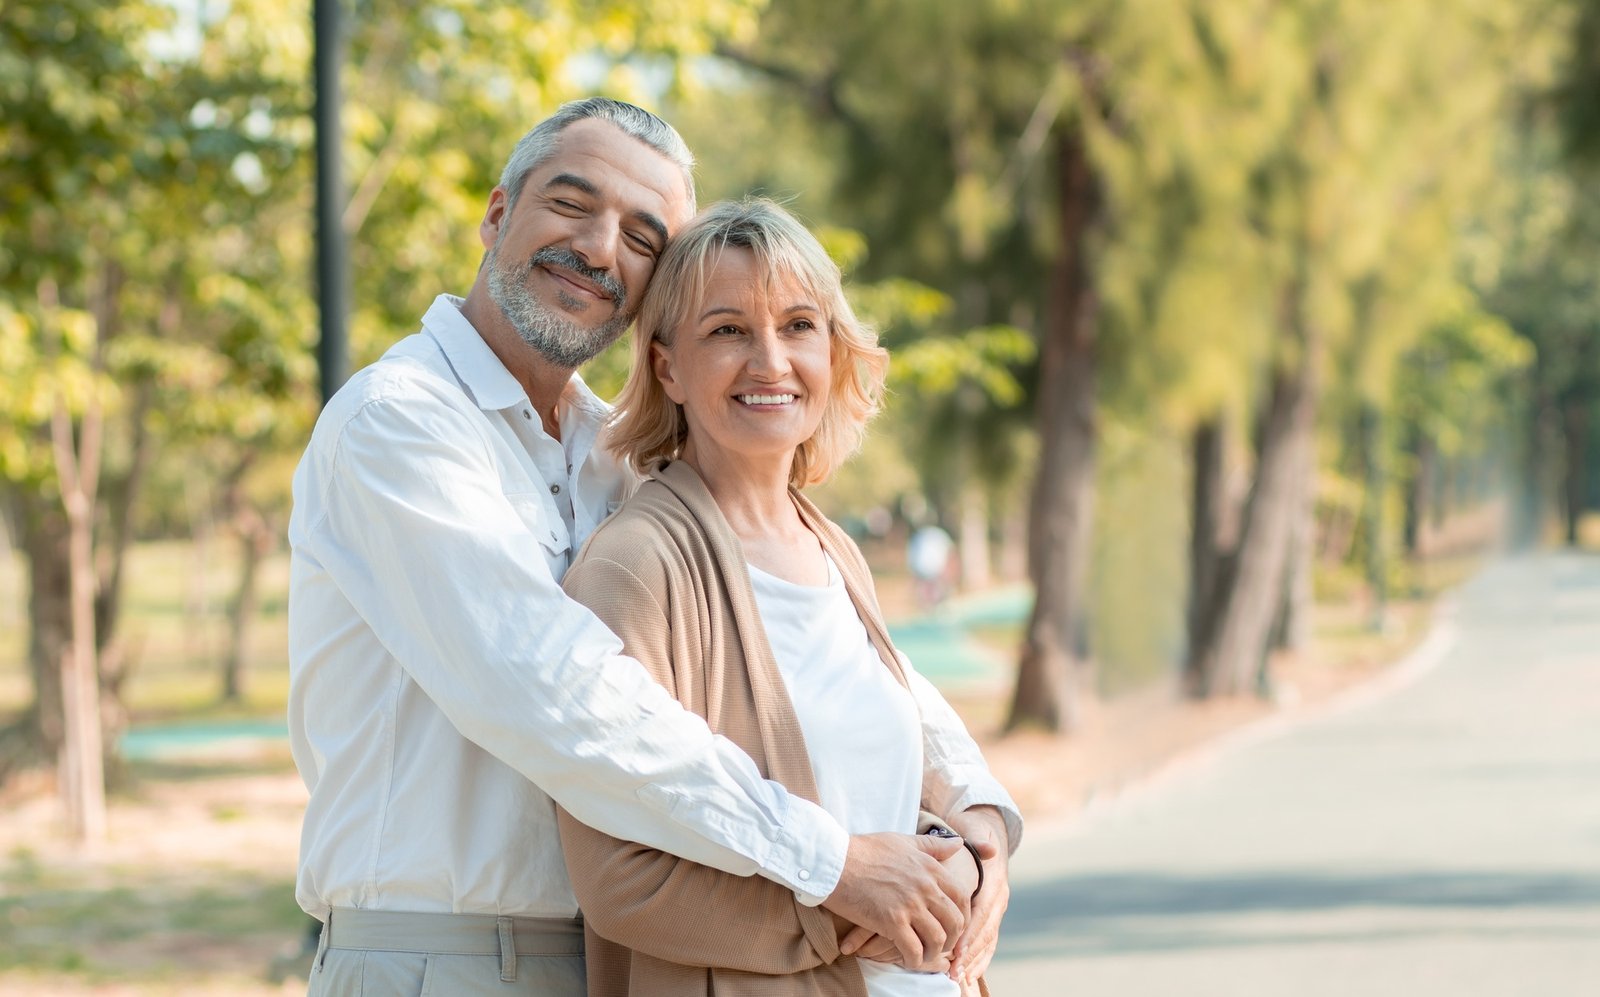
486 378
578 395
478 369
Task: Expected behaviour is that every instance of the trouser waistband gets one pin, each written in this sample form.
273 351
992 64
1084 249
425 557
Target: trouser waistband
452 934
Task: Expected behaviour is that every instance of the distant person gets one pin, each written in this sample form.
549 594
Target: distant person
443 689
752 380
928 556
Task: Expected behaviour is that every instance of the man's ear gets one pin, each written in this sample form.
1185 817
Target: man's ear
661 363
495 218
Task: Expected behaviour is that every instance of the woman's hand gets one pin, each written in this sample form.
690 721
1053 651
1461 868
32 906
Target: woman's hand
984 827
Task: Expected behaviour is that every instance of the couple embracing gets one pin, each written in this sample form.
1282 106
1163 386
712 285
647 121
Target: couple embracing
568 733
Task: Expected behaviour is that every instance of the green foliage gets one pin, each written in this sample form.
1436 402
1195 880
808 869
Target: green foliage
1454 384
1341 165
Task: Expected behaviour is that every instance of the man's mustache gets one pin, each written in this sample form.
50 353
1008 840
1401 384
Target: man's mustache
569 260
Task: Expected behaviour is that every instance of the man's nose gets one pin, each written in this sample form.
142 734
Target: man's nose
597 243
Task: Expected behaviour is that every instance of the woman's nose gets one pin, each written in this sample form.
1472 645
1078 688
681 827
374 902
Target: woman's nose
769 357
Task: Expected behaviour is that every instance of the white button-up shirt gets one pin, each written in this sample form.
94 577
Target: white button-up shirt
443 688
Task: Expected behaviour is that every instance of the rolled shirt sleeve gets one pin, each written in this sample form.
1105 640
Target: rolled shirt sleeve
956 777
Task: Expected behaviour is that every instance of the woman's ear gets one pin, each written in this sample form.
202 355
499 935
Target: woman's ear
661 363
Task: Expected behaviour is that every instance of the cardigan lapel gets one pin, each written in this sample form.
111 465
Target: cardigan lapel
788 760
856 582
781 735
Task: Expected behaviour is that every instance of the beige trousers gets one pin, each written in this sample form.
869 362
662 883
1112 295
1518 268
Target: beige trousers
371 953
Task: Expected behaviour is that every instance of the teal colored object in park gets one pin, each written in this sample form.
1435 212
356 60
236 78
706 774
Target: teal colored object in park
938 644
146 743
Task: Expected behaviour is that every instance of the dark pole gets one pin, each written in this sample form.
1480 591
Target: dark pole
332 359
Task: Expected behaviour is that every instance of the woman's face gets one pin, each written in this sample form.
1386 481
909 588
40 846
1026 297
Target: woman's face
751 364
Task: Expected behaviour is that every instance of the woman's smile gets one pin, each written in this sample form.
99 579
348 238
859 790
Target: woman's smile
751 366
766 401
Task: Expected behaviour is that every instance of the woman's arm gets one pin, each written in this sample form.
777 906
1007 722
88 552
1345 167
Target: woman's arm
657 903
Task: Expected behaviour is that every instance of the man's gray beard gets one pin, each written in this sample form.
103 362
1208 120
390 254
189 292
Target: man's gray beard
558 339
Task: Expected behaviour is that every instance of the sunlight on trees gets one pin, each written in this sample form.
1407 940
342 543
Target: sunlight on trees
1193 305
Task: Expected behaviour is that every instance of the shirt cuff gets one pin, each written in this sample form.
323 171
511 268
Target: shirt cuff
994 795
808 856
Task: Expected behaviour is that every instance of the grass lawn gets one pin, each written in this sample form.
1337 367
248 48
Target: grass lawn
175 631
194 892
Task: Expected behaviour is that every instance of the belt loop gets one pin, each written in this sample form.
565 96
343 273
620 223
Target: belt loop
508 951
322 941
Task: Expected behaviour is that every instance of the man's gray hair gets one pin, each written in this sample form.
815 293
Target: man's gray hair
540 143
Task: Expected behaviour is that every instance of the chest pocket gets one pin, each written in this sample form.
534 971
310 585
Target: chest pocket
533 508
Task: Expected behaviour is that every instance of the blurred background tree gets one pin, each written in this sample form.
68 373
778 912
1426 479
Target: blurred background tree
1197 309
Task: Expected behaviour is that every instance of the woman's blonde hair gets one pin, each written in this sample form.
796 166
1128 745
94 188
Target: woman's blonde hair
648 426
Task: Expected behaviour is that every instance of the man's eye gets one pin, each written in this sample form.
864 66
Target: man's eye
566 205
641 244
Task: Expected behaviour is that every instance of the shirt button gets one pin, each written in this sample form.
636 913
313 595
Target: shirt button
526 414
804 874
555 489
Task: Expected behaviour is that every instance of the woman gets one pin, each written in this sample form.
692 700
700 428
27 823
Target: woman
751 379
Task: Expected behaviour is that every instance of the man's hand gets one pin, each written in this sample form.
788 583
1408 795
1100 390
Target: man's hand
985 828
877 948
894 885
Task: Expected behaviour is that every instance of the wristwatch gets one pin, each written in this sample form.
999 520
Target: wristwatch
940 831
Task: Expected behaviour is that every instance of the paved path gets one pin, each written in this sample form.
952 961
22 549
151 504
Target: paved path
1441 839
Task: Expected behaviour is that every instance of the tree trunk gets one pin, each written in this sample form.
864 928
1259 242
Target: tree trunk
1291 631
1233 658
1049 678
1529 514
1205 554
255 542
973 541
83 784
34 739
1375 467
1421 497
1575 436
1013 546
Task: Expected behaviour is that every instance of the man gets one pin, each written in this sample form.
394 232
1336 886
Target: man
443 690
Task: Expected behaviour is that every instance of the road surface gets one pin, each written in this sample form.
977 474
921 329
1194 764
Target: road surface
1438 838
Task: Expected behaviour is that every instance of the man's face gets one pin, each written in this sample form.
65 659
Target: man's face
570 261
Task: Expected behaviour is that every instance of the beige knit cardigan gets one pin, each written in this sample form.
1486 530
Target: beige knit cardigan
668 576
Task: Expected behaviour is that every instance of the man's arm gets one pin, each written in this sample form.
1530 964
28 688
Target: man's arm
659 904
956 778
957 784
409 518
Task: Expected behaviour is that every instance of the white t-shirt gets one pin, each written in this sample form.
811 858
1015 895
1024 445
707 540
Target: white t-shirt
862 728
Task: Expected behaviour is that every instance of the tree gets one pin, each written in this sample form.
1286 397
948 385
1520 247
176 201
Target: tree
1363 202
154 237
73 98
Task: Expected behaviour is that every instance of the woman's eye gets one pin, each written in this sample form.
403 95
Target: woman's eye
725 330
803 325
